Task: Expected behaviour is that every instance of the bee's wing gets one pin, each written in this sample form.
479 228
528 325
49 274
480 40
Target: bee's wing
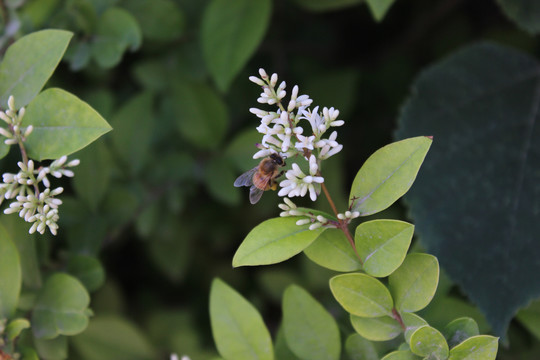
255 194
246 179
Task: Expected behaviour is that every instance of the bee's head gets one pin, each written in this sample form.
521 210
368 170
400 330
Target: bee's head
277 159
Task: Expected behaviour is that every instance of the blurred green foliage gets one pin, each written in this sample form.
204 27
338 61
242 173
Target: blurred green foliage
152 203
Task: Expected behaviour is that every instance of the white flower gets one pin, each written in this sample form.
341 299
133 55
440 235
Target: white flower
298 183
304 142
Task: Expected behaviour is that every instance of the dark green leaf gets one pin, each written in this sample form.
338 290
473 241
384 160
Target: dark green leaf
530 318
134 124
88 270
201 115
376 329
387 175
238 329
311 332
362 295
228 45
29 63
333 251
358 348
326 5
472 205
219 176
273 241
10 273
525 13
113 338
379 8
160 20
62 124
414 283
383 244
52 349
117 30
61 308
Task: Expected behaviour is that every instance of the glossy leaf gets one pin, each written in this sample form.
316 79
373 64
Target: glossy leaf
117 31
201 115
227 45
387 175
412 322
10 275
273 241
476 192
477 347
28 64
379 8
427 341
333 251
238 328
358 348
113 338
311 332
134 125
459 330
382 245
525 13
376 329
88 270
62 124
362 295
414 283
64 314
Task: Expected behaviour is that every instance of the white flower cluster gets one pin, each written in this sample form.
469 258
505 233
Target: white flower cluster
34 206
316 221
175 357
283 133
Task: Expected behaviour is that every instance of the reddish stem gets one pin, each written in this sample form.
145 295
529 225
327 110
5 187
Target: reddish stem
398 318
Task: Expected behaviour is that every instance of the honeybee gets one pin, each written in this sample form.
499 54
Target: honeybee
262 177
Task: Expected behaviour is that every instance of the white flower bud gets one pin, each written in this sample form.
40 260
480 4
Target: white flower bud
303 222
256 80
315 226
273 80
10 142
28 130
4 117
11 102
263 74
74 162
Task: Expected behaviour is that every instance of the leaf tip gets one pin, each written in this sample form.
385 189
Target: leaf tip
430 137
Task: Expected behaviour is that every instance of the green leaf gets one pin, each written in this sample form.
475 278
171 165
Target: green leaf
459 330
379 8
62 125
10 275
28 64
414 283
472 204
113 338
117 30
525 13
333 251
160 20
201 115
428 341
376 329
326 5
218 176
412 322
387 175
53 349
93 174
383 244
61 308
88 270
273 241
358 348
227 45
311 332
401 355
477 347
281 349
15 327
238 328
134 124
530 318
362 295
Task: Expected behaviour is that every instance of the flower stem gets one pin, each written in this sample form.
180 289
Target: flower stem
343 225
